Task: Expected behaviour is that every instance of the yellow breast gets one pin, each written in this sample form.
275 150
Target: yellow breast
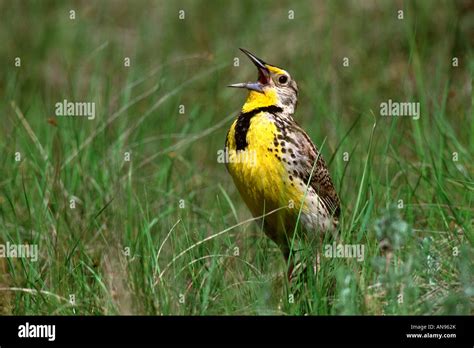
260 176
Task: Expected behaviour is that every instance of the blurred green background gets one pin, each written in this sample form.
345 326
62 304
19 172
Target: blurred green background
164 233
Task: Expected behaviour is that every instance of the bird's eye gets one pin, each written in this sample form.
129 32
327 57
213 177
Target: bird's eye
283 79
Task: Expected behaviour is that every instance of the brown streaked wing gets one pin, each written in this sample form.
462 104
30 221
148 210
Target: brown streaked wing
321 180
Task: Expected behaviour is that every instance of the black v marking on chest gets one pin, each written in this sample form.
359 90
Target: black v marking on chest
243 124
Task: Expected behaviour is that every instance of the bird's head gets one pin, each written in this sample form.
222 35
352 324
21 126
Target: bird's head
274 87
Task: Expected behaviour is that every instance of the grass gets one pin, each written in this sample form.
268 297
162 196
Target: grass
166 232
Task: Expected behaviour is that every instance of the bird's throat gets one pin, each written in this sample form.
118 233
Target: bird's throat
257 100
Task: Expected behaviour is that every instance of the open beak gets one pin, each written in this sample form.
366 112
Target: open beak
263 74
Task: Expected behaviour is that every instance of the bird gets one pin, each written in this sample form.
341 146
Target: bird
278 171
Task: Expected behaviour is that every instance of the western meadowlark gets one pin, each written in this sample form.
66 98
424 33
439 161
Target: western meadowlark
275 165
